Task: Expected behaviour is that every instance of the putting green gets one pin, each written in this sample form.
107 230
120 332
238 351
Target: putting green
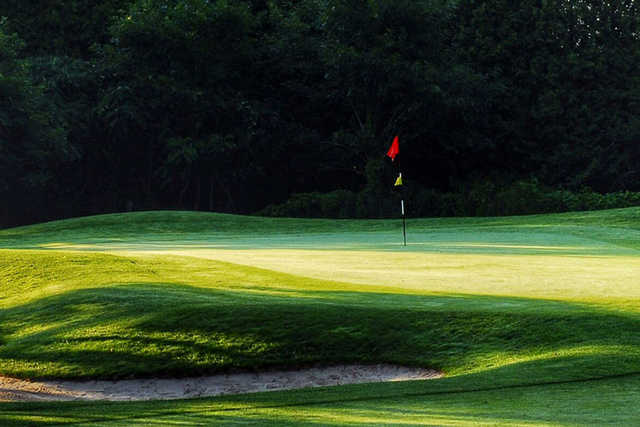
525 264
553 262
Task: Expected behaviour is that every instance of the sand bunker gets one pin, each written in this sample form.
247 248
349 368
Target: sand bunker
12 389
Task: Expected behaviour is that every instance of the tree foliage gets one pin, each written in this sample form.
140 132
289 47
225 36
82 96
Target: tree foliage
62 27
34 148
235 105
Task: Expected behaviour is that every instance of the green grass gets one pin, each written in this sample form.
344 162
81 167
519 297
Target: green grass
514 310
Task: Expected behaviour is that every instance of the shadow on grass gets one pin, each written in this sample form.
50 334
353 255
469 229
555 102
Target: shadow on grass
177 330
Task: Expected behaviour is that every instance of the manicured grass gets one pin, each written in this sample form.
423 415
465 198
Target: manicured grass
94 315
497 303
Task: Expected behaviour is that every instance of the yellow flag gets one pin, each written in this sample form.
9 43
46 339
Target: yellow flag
398 181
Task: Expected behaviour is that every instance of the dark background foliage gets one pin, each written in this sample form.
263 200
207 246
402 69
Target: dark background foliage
287 107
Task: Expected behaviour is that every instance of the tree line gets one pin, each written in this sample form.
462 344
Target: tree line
288 106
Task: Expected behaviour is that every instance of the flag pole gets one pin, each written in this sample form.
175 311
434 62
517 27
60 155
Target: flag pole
404 223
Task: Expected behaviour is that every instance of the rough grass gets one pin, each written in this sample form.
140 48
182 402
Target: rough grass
512 309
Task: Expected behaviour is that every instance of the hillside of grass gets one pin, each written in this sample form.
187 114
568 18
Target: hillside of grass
76 315
496 303
170 224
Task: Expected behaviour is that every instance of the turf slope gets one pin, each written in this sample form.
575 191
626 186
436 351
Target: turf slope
522 314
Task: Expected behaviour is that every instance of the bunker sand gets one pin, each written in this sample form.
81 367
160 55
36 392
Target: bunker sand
12 389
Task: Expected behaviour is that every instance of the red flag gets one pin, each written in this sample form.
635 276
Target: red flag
394 149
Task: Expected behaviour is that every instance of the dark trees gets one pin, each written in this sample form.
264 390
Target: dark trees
233 105
568 112
34 145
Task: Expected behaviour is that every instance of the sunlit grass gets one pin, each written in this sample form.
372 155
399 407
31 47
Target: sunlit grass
101 323
589 278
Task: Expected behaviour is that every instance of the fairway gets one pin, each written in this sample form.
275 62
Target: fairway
532 319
